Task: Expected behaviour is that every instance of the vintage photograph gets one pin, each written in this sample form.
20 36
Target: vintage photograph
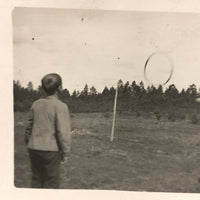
106 100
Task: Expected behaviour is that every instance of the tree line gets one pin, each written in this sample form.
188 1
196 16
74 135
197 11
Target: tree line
131 97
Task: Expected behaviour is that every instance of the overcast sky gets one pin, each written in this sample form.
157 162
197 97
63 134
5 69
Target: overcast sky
101 47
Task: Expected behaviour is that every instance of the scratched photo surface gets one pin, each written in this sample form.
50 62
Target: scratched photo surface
131 82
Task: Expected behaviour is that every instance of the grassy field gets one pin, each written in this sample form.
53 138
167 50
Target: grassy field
145 155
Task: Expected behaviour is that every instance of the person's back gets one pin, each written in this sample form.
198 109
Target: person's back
44 126
48 135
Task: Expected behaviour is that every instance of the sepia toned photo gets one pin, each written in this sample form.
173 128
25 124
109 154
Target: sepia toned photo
106 100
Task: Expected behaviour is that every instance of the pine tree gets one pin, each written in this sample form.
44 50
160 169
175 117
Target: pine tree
93 91
85 91
105 92
30 86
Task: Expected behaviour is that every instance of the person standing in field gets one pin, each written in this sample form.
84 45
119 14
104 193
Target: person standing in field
48 135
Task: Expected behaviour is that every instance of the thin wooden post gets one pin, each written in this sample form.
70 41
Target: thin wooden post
114 115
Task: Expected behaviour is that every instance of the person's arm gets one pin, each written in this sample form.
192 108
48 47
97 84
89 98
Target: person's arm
63 130
28 129
197 99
